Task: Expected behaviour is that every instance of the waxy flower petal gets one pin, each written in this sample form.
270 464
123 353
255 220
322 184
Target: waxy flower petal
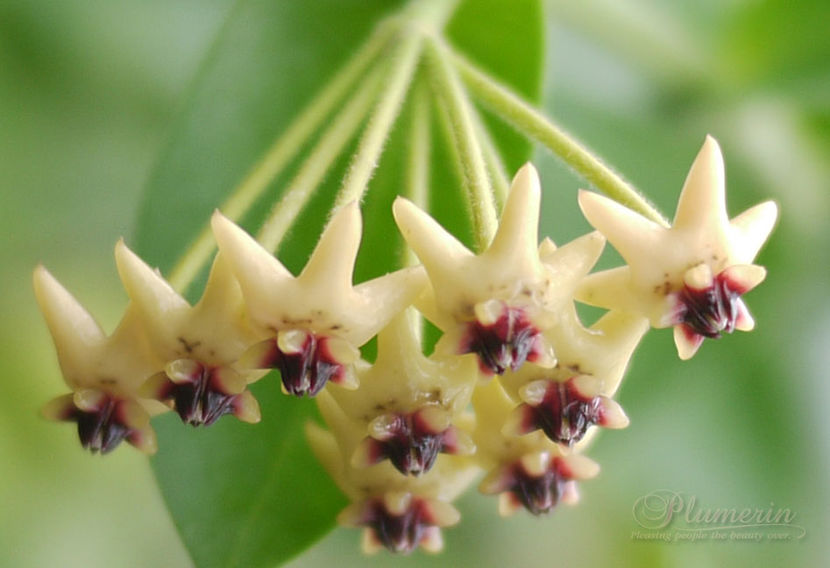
497 303
199 345
398 512
564 410
538 482
322 299
661 261
321 302
566 400
104 372
104 420
400 522
407 403
530 470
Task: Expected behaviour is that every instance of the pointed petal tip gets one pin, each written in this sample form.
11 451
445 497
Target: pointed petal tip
586 197
744 321
124 254
246 408
583 196
613 415
59 409
442 513
146 287
223 228
711 152
42 278
580 467
508 505
710 140
332 262
527 179
624 228
744 277
144 440
432 541
752 228
72 327
687 342
401 206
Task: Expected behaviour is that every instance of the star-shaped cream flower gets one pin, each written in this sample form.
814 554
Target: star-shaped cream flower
525 471
104 372
198 345
565 401
690 275
408 404
398 512
319 319
497 303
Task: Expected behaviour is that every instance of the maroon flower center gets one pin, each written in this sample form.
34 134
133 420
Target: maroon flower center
399 533
505 344
539 494
710 311
564 413
101 429
201 400
306 371
412 444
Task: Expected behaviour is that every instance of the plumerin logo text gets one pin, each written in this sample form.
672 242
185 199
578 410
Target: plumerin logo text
672 516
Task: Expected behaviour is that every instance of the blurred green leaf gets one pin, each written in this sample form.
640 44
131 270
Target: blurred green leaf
246 495
777 42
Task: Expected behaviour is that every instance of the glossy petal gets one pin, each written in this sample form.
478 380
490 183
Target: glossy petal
407 403
662 260
322 299
507 281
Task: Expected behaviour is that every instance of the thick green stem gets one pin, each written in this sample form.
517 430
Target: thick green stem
281 153
531 122
319 161
474 170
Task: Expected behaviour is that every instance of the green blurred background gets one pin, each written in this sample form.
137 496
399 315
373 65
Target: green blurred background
88 90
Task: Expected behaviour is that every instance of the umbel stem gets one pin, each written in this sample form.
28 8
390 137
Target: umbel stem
281 152
531 122
395 49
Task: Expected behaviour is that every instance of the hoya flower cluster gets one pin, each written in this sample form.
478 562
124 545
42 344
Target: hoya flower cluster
511 393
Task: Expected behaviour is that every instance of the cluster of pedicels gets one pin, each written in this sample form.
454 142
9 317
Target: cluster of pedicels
512 388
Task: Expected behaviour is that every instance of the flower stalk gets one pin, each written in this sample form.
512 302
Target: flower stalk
534 124
302 188
281 152
476 178
403 64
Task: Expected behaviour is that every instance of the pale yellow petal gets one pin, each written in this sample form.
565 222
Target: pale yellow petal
702 203
630 233
76 335
751 229
331 265
515 244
